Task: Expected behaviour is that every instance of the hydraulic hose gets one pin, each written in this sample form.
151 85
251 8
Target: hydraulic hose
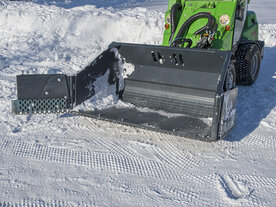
181 41
176 7
192 19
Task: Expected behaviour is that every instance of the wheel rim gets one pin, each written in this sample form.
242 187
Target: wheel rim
254 65
229 81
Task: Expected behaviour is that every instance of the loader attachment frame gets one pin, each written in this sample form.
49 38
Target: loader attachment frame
173 90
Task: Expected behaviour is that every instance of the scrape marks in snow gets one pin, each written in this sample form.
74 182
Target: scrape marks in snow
100 161
246 190
233 188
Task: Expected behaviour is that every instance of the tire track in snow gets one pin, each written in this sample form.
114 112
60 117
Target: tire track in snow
110 162
25 180
42 203
187 195
176 151
254 138
257 139
115 147
113 129
177 194
4 144
170 154
256 180
177 159
96 128
264 146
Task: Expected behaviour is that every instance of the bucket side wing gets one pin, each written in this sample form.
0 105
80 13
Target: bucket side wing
53 93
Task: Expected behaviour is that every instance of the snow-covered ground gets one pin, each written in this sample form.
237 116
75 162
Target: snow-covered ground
61 160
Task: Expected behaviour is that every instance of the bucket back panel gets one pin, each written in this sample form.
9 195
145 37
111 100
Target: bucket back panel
168 98
177 80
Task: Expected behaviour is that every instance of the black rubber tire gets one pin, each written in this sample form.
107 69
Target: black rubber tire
230 79
248 62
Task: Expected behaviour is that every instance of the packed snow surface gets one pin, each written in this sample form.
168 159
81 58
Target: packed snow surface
65 160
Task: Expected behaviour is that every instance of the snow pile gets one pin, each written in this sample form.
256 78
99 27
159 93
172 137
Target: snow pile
55 39
267 34
98 3
36 39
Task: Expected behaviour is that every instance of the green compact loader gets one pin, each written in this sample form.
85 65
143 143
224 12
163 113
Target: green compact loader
185 87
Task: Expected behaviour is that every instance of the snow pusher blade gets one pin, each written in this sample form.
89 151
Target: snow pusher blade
178 91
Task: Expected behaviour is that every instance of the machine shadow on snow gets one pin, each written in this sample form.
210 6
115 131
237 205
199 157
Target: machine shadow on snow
256 102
